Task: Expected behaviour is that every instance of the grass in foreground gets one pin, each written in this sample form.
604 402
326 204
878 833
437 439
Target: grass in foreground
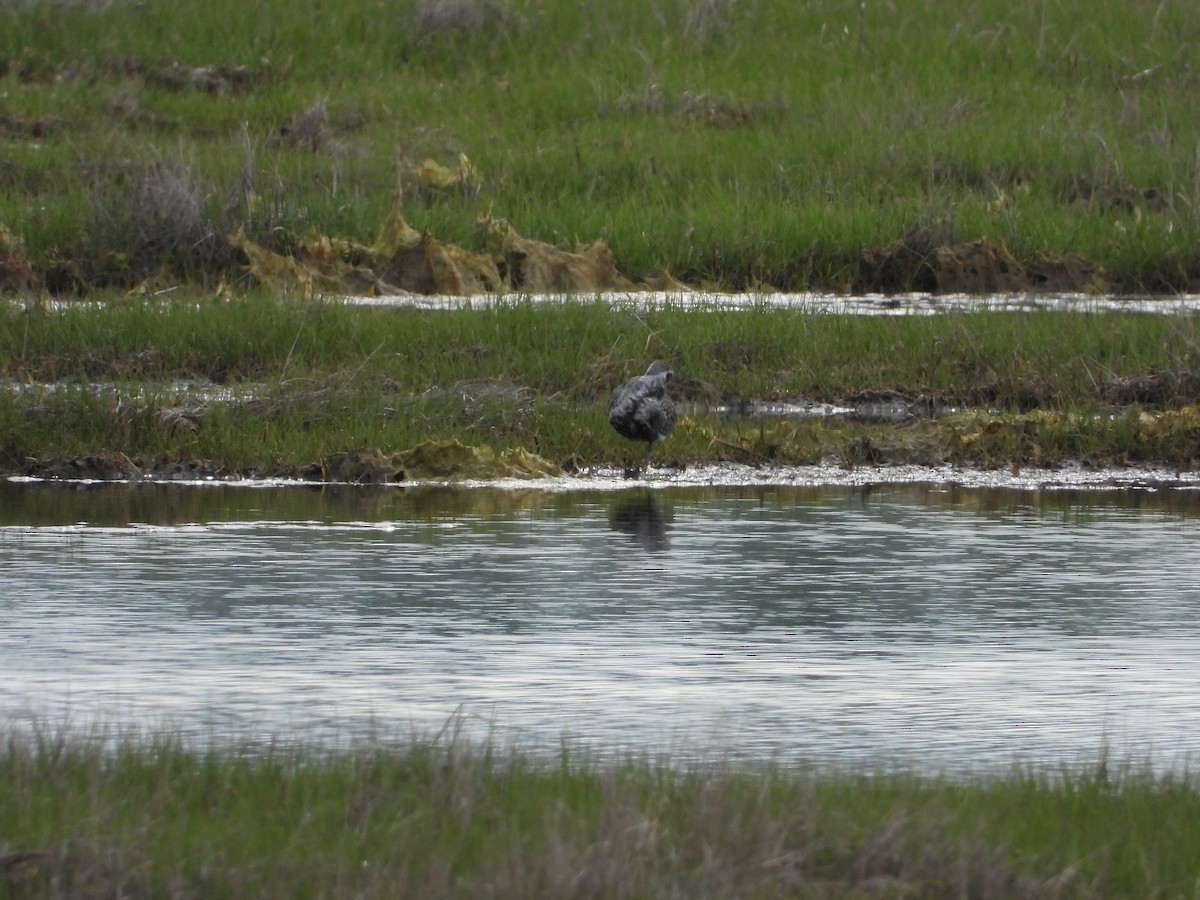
441 818
262 384
736 143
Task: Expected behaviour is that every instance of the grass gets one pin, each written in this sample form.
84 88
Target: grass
729 143
733 144
763 352
262 384
93 816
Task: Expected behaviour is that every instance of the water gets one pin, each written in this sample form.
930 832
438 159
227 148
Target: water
910 304
919 625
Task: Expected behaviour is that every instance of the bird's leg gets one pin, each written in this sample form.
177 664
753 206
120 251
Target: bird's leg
649 450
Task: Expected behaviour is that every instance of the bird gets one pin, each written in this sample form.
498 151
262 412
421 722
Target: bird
640 409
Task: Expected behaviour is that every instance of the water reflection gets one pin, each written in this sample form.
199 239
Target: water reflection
644 519
950 627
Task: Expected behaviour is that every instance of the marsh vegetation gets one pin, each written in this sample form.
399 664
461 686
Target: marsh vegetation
274 386
848 147
981 146
95 817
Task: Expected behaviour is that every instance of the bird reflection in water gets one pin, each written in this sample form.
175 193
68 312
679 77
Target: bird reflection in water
643 519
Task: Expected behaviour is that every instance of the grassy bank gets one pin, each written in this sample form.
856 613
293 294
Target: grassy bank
440 818
801 145
260 384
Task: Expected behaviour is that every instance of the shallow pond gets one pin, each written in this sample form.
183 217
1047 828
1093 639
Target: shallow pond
906 624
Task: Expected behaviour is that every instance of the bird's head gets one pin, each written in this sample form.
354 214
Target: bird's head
658 367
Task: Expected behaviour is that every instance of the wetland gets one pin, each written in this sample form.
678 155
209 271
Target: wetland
321 570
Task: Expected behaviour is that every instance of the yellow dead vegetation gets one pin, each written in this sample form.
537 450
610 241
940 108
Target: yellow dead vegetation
403 260
538 267
16 273
429 174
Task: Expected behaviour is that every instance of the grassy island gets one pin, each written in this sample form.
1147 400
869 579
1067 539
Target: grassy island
270 386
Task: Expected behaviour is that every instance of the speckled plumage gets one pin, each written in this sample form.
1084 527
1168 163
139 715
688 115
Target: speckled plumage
640 408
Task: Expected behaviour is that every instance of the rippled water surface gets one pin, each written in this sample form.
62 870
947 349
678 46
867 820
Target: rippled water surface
934 626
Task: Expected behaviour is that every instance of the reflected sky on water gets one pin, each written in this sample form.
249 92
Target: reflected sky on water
908 624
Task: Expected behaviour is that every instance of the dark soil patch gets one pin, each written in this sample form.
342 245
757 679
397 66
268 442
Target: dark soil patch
927 259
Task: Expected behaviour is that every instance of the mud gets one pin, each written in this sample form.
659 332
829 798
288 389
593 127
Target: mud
443 461
929 258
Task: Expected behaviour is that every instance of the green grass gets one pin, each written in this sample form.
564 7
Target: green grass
143 379
762 352
142 817
730 143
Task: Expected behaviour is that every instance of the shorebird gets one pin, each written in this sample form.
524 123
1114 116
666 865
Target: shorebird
640 408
